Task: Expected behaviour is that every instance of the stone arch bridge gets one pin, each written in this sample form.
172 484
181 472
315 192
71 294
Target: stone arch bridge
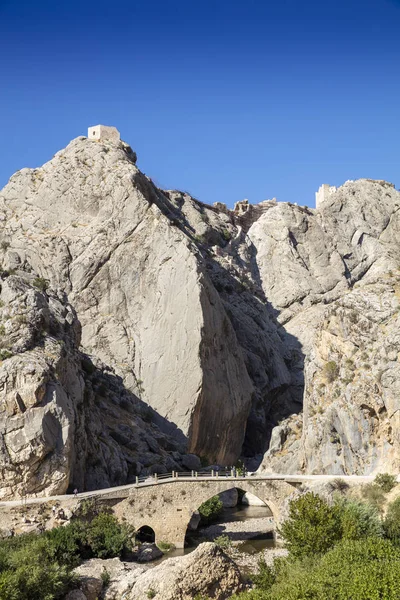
168 508
166 503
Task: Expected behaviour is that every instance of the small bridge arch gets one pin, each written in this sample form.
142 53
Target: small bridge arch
145 533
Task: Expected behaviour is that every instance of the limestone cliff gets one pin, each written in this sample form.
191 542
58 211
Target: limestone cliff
348 324
144 324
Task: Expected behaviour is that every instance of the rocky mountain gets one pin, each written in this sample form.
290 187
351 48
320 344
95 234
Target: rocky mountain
139 325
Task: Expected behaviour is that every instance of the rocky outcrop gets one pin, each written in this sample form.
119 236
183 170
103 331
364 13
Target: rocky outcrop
126 257
207 571
40 388
251 500
350 422
348 327
65 420
141 327
91 575
146 552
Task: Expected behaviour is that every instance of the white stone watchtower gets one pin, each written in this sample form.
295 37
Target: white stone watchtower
324 193
102 132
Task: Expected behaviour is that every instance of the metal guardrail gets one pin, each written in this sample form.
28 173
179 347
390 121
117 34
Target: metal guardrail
152 479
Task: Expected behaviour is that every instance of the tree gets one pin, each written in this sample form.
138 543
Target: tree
210 510
106 537
312 527
358 519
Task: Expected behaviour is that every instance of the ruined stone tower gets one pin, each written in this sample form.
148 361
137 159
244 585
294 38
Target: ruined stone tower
323 193
102 132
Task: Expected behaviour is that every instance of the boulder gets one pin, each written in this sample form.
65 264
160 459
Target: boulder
123 575
252 500
191 462
75 595
146 552
207 571
91 587
229 498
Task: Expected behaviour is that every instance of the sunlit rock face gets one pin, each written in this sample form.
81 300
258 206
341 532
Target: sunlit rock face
348 325
141 325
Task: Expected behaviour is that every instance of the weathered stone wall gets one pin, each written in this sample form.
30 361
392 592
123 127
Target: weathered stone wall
168 508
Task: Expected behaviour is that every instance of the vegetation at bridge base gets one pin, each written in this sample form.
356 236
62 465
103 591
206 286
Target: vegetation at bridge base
38 566
210 510
312 527
366 569
354 555
391 523
28 570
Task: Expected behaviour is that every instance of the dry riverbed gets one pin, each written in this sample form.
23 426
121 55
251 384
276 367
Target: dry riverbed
242 531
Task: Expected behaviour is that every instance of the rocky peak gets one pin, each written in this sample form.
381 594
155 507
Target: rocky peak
184 327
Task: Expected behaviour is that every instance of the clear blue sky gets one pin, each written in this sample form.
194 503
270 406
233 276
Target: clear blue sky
225 99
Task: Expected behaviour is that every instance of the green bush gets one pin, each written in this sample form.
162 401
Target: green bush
226 234
105 577
312 527
38 567
374 495
331 371
68 545
29 572
265 577
107 538
89 508
353 570
386 482
210 510
391 523
223 541
41 283
240 468
165 546
4 354
358 519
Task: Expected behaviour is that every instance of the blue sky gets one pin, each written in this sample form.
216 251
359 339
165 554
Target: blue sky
225 99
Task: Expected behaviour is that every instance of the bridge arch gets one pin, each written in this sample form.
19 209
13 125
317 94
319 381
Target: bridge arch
168 507
205 495
145 533
217 521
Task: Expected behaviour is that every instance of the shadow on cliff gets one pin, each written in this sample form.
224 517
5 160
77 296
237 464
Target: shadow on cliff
274 358
120 436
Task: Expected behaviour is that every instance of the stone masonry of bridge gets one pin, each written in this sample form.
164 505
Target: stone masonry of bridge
168 507
167 504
